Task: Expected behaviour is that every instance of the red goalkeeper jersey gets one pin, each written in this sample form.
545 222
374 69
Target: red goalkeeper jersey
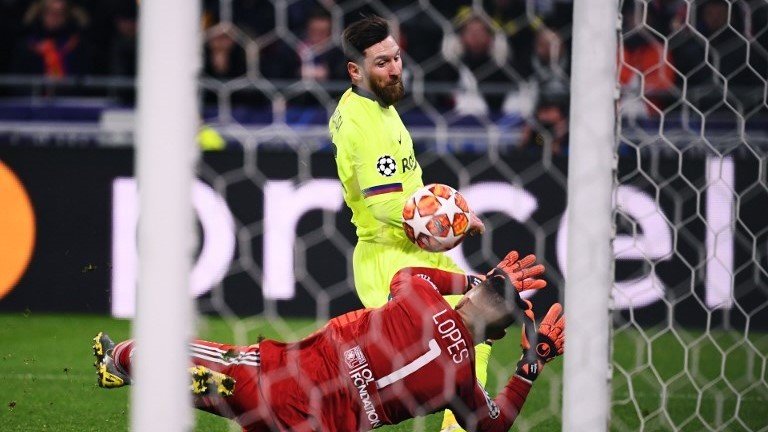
381 366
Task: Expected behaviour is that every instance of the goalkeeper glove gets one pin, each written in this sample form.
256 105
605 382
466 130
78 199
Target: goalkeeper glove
523 273
548 344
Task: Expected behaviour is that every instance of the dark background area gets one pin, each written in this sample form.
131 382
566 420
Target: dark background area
70 271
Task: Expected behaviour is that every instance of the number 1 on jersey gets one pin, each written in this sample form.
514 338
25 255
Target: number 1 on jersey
418 363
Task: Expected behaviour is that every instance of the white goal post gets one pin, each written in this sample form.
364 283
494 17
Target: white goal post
590 184
656 248
169 61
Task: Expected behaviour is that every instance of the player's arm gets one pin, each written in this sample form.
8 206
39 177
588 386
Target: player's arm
356 159
481 413
389 211
375 168
500 414
523 274
444 282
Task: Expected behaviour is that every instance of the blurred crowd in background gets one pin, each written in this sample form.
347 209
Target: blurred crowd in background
475 58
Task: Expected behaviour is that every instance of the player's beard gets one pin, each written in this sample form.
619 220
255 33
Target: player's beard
389 93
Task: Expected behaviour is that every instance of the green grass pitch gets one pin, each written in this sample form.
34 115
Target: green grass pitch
47 381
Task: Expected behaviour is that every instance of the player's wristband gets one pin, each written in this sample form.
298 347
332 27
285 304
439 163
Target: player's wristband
529 370
530 365
472 281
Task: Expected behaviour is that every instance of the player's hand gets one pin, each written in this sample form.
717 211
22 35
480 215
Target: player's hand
476 226
549 344
522 272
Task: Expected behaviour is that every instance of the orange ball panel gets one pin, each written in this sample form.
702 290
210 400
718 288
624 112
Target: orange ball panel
409 232
428 205
461 202
460 224
441 190
409 210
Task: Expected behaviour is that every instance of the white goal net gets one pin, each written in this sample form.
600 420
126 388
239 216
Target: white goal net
487 104
689 341
493 126
689 301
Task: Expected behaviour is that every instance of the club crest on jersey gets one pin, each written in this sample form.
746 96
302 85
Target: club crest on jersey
386 166
354 357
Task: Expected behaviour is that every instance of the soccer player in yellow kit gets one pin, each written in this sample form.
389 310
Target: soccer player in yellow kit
377 167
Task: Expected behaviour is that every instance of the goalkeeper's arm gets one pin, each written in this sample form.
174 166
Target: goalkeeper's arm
500 413
522 274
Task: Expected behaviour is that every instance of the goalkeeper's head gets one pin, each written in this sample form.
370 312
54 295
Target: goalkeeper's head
491 306
373 56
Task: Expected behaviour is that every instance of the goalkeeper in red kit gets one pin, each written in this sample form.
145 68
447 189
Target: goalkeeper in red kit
372 367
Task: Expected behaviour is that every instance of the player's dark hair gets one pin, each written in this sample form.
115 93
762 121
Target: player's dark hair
361 34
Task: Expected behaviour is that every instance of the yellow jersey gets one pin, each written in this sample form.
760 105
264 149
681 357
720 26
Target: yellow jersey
375 161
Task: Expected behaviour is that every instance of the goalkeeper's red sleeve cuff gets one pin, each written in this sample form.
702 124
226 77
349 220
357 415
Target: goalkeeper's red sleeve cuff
512 398
521 385
525 380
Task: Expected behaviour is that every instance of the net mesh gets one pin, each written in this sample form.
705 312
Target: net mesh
688 340
487 106
696 71
466 118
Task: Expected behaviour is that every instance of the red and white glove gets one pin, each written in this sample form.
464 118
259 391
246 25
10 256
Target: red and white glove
549 343
522 272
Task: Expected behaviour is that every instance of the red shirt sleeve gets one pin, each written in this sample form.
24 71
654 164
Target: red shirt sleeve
444 282
493 415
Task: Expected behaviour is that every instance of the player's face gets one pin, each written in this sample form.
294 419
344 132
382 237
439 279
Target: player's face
489 319
496 318
383 71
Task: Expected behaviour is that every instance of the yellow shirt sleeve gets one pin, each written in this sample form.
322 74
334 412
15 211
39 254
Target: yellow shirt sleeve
389 212
375 163
378 175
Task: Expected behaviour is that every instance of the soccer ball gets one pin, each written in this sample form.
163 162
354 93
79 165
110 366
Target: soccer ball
436 218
